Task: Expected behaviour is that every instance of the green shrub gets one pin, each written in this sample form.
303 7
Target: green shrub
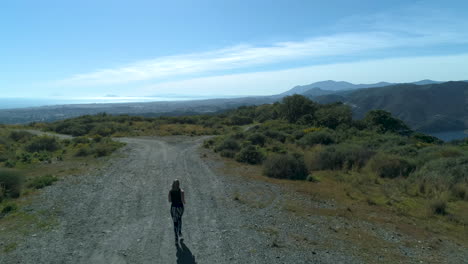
43 143
405 150
324 137
388 166
97 138
8 208
355 157
228 153
42 156
25 157
80 140
298 134
295 106
20 136
333 115
238 135
327 159
104 149
250 154
278 149
383 121
240 120
442 174
257 139
66 142
346 156
10 163
438 206
280 136
285 166
83 150
11 183
307 120
228 144
460 191
311 178
208 143
42 181
426 138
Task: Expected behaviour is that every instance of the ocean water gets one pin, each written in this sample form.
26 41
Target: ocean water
9 103
450 135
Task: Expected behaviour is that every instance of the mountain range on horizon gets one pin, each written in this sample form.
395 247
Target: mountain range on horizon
425 105
330 85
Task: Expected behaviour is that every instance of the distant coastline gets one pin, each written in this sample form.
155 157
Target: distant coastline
13 103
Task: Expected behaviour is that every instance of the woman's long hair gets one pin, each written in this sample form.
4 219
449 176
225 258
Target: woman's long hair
176 185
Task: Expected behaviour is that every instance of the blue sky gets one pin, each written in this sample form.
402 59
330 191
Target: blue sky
215 48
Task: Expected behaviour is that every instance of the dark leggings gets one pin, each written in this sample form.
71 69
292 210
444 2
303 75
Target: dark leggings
176 214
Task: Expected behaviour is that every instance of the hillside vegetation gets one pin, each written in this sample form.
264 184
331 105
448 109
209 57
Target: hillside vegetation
430 107
378 159
29 162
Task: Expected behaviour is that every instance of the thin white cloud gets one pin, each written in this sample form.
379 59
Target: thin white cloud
407 69
386 31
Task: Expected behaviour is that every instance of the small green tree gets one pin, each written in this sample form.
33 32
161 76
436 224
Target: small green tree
383 121
334 115
295 106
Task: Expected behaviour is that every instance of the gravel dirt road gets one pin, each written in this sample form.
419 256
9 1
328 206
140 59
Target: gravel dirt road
120 214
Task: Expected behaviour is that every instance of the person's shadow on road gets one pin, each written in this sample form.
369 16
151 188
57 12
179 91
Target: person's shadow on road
184 255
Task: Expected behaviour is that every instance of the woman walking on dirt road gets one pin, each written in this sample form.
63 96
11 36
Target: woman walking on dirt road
177 199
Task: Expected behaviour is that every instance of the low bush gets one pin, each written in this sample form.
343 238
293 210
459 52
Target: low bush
298 134
460 191
326 159
42 181
11 183
240 120
285 166
25 157
80 140
250 154
442 174
228 153
280 136
257 139
83 150
103 149
438 206
20 136
345 157
426 138
389 166
42 156
228 144
43 143
208 143
8 208
10 163
324 137
311 178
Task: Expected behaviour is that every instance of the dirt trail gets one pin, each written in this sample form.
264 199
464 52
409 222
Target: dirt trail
120 214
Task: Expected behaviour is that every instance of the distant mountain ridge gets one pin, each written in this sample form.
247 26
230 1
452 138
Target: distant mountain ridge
432 107
330 85
426 105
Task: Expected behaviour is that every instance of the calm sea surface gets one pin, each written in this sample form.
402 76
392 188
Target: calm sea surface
8 103
451 135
